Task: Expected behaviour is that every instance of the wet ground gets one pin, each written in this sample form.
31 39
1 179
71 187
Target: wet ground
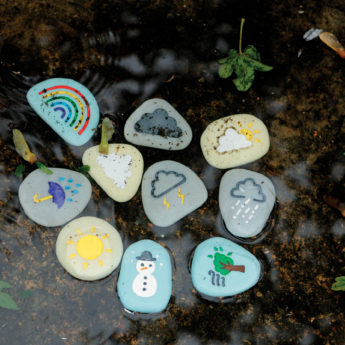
126 52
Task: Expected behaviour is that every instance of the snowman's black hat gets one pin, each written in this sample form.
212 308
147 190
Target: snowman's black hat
146 256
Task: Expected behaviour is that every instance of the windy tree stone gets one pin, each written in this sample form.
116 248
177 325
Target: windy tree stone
234 140
89 248
145 280
157 124
53 200
246 199
68 107
222 268
119 172
170 191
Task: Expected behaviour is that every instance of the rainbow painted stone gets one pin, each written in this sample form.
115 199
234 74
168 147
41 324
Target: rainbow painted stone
222 268
89 248
145 280
234 140
53 200
68 107
157 124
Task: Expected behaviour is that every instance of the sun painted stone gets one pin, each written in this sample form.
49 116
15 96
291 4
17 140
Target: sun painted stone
89 248
145 280
246 199
157 124
222 268
234 140
119 172
53 200
170 191
68 107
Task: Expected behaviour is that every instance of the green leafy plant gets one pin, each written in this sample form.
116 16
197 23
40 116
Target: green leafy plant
6 300
243 63
339 284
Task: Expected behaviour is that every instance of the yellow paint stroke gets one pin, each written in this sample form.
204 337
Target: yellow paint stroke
256 131
70 242
93 229
239 124
105 237
72 255
100 262
79 232
73 96
85 265
257 140
181 196
109 250
166 203
250 124
41 199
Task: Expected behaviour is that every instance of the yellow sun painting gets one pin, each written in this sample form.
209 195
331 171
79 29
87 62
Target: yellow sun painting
248 132
89 248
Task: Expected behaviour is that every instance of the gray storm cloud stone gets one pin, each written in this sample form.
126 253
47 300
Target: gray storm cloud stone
246 199
170 191
157 124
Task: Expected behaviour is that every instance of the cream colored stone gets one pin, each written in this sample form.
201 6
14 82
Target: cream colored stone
234 140
118 173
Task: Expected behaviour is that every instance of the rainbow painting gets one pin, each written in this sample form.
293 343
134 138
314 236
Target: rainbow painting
68 107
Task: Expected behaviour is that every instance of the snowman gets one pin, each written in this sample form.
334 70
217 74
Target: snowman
145 284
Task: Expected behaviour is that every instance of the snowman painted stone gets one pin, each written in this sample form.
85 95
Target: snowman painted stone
157 124
170 191
119 172
53 200
89 248
68 107
222 268
145 280
246 199
234 140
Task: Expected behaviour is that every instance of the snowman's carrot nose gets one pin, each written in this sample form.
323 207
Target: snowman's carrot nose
144 268
41 199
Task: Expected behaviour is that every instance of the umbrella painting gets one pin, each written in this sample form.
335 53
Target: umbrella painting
56 193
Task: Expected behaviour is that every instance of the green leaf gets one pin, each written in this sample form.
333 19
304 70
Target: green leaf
224 60
4 285
25 293
84 169
6 300
259 66
252 52
226 70
218 266
42 167
233 54
339 284
22 147
19 170
245 75
107 133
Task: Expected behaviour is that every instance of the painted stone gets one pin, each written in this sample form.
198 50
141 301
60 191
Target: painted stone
246 199
145 280
68 107
234 140
53 200
89 248
119 172
170 191
157 124
222 268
